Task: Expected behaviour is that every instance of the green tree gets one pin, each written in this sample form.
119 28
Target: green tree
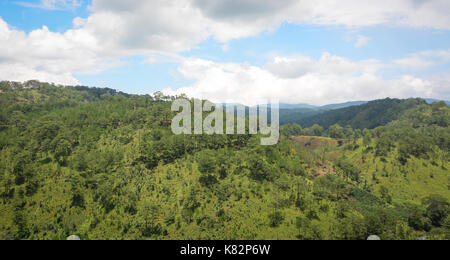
276 219
385 194
349 169
317 130
207 166
336 131
437 209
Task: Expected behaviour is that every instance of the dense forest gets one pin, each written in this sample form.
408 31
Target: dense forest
367 115
102 164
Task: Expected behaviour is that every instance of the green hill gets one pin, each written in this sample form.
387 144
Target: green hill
405 163
105 165
370 115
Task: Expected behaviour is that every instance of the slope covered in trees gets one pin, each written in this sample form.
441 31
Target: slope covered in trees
105 165
404 163
296 115
370 115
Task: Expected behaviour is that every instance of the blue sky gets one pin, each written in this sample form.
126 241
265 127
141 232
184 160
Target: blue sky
28 19
242 56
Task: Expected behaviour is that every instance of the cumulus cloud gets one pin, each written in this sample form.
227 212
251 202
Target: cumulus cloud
331 79
424 59
266 14
139 26
117 29
136 26
47 56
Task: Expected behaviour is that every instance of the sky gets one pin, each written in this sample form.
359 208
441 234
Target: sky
235 51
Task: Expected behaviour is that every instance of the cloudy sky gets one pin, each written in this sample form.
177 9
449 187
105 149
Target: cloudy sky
247 51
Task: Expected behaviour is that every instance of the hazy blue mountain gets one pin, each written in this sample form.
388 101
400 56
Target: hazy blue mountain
297 106
370 115
325 107
290 114
431 101
343 105
327 115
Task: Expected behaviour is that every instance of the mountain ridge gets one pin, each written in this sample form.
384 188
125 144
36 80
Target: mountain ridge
370 115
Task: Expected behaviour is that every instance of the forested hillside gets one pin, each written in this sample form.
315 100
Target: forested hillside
104 165
370 115
405 163
297 113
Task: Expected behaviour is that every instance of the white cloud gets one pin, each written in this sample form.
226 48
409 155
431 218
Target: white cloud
358 13
414 62
55 57
424 59
362 41
330 79
117 29
53 4
46 56
136 26
140 26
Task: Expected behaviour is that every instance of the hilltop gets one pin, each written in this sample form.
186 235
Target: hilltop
370 115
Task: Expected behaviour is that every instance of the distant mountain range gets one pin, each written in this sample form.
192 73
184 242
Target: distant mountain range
431 101
297 106
326 107
307 107
342 105
366 115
